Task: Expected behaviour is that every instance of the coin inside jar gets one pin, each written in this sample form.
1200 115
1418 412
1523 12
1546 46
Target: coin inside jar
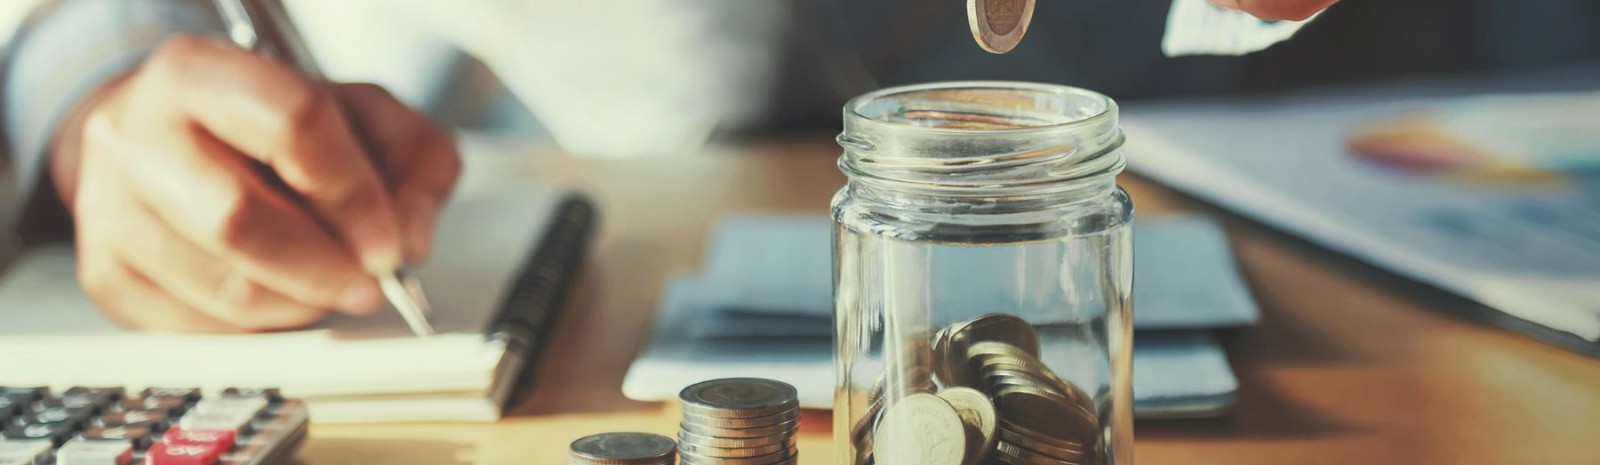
995 327
978 413
921 429
1047 412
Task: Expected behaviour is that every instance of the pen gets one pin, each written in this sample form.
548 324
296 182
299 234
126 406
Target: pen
264 26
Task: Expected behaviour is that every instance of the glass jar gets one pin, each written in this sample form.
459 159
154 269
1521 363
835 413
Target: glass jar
982 278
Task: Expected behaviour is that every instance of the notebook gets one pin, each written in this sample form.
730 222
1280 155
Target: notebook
1184 273
503 259
766 311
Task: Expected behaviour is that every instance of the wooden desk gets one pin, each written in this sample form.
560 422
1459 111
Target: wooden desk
1340 371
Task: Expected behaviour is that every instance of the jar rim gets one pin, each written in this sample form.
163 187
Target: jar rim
1108 110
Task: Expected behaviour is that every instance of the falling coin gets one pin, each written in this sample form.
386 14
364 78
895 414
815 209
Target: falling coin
998 25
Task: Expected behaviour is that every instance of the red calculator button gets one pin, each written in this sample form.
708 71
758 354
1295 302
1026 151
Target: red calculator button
182 454
221 439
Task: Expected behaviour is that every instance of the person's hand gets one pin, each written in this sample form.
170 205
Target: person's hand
215 190
1277 10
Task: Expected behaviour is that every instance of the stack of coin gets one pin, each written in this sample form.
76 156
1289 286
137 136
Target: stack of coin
623 449
739 421
993 401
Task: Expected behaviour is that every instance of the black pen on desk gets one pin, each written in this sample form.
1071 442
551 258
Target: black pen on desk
264 26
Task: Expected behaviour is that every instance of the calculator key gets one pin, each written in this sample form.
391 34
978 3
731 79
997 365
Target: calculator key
63 407
189 395
136 436
154 419
272 395
222 439
107 393
53 414
24 394
171 405
56 432
238 423
182 454
25 451
250 406
94 453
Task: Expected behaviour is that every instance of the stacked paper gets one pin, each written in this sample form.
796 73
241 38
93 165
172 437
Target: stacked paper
765 310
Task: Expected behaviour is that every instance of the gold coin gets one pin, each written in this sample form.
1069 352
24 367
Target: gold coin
1009 429
943 362
863 425
1043 446
999 379
979 415
994 327
989 357
921 429
1018 455
864 449
998 25
998 327
1046 412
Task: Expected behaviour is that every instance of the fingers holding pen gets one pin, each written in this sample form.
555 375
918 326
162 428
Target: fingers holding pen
273 115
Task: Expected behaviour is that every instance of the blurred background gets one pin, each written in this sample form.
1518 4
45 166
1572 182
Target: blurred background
652 77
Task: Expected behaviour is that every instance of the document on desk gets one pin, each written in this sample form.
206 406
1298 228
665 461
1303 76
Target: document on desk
1185 277
347 368
758 310
1495 198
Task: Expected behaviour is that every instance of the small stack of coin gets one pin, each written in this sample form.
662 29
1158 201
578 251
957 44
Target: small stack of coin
623 449
739 421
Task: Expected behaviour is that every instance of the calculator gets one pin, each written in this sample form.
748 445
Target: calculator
156 426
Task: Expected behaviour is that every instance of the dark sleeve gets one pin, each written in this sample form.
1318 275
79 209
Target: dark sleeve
64 52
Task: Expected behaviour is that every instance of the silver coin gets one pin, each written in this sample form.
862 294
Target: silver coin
752 422
921 429
1051 448
788 427
1009 429
622 449
734 443
998 25
739 398
788 461
730 452
996 328
1045 411
1013 454
769 459
863 425
944 361
979 415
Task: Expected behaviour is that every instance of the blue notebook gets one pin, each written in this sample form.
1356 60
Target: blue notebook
1184 272
765 311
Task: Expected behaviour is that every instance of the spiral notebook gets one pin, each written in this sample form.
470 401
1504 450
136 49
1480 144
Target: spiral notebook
503 259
